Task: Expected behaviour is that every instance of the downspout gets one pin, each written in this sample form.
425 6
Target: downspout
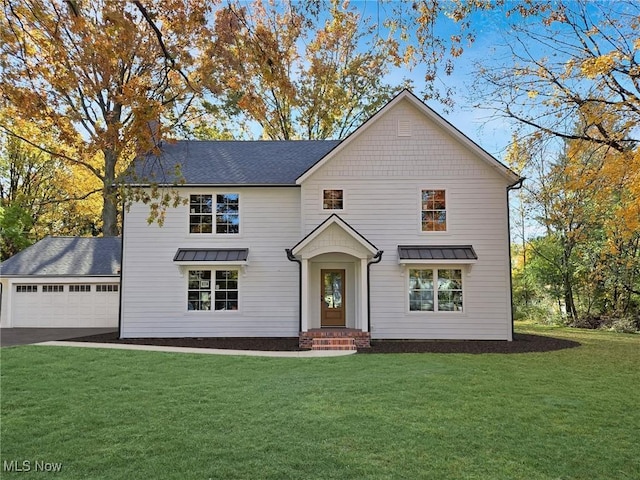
377 258
292 258
120 272
514 186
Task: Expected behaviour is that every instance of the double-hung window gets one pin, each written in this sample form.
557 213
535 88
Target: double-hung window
228 213
212 288
224 214
435 290
200 214
433 211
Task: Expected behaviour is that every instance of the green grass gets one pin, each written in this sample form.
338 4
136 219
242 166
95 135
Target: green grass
123 414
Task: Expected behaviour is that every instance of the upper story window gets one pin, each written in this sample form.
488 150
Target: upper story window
200 214
227 213
332 200
433 211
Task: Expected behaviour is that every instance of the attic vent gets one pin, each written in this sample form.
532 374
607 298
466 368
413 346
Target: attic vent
404 127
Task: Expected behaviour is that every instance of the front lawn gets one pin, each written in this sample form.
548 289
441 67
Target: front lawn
122 414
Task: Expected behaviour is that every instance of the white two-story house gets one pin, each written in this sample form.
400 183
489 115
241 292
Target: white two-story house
399 231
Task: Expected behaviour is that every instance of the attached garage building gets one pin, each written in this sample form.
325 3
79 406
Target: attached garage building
62 282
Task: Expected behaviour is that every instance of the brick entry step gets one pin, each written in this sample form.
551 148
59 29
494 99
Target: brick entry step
334 339
331 343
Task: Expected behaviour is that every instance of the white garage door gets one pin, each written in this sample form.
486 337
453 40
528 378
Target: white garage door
65 305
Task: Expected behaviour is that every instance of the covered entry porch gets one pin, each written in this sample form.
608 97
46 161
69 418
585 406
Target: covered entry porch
334 290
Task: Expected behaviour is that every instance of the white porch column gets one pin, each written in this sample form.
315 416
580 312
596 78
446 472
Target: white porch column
304 298
364 296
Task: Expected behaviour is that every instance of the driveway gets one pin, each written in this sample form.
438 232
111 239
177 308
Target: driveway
24 336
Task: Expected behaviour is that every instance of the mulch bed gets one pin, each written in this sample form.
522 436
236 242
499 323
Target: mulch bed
522 343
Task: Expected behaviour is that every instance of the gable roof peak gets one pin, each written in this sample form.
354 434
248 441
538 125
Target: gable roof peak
433 116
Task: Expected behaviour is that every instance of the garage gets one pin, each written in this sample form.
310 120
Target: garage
59 305
62 282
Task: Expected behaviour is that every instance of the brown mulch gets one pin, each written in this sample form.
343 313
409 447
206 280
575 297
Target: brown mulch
522 343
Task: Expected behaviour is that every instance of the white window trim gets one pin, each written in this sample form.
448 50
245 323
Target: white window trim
447 210
435 268
213 270
213 215
332 210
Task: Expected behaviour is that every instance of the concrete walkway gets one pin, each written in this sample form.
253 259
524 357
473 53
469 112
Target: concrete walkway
205 351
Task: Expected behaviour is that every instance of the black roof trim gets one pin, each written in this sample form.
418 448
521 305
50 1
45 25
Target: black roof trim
211 255
432 252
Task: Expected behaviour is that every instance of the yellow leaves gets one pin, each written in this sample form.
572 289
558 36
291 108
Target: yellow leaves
532 94
598 66
569 68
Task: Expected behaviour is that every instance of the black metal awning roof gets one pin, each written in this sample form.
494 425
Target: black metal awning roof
211 255
437 253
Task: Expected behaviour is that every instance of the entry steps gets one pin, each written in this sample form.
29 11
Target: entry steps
334 343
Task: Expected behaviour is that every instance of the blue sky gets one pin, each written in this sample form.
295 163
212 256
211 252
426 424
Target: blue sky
494 135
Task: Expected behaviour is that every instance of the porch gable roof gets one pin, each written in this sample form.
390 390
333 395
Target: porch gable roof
334 235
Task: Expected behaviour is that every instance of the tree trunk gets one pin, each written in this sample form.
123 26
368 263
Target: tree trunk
567 280
110 226
568 299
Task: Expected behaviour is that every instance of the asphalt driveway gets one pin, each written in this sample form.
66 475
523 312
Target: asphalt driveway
24 336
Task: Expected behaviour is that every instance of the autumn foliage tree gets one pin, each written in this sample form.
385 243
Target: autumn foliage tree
40 195
572 78
571 63
298 78
94 74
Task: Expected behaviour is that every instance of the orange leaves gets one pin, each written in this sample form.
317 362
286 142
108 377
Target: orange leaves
96 72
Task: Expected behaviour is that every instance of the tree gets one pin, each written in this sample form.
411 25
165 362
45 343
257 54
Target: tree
323 91
94 74
587 248
40 195
572 77
571 63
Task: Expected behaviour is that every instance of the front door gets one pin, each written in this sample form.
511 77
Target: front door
332 298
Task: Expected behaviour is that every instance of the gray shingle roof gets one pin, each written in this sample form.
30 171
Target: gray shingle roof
211 255
424 252
232 162
66 256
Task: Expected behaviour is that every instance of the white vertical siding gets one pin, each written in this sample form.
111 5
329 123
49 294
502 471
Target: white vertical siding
155 288
382 175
